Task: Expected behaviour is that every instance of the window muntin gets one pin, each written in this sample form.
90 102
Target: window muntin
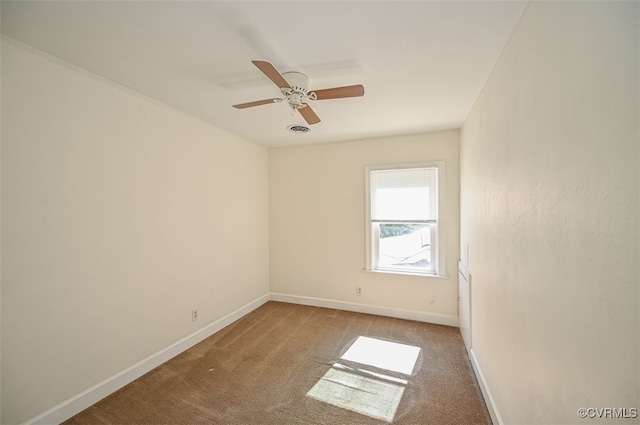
403 218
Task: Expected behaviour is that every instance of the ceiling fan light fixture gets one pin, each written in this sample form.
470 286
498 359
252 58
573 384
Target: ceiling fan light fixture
296 100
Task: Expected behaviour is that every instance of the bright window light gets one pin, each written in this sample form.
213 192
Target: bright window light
406 202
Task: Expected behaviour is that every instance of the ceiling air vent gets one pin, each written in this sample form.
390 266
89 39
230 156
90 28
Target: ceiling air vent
296 128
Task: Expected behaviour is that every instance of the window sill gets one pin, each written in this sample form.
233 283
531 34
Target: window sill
407 273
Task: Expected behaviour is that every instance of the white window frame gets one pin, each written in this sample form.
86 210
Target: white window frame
438 231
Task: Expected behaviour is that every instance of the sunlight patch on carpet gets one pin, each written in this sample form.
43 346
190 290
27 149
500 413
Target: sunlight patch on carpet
382 354
364 391
367 396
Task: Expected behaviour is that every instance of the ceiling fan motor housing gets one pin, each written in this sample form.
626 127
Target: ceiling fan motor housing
296 95
298 81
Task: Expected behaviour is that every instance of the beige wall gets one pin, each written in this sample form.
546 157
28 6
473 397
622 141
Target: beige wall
119 216
317 230
549 188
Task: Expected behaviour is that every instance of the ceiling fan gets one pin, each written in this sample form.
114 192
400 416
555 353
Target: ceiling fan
294 86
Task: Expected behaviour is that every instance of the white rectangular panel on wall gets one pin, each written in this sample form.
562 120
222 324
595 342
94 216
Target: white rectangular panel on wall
464 304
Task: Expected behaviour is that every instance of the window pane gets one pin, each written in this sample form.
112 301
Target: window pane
403 203
404 194
405 247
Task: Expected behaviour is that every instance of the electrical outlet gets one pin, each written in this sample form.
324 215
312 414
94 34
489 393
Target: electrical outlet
359 291
194 315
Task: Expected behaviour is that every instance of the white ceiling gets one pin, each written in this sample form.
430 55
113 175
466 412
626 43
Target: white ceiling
422 63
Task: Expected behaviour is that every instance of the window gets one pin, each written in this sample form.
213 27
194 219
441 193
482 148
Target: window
404 231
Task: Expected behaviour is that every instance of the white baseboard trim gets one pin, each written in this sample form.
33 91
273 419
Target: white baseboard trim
439 319
486 392
85 399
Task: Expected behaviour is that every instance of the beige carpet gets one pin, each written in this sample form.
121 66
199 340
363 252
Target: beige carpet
292 364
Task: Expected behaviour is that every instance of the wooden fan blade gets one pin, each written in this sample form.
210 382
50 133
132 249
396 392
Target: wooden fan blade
339 92
272 73
309 116
256 103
